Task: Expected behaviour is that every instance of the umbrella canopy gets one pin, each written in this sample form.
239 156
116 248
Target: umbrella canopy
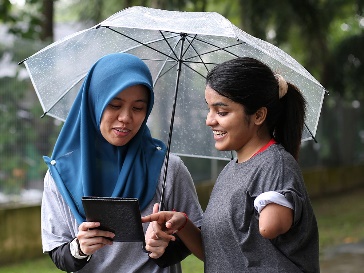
179 48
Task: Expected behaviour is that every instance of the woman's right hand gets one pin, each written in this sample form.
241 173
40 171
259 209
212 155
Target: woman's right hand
91 239
166 223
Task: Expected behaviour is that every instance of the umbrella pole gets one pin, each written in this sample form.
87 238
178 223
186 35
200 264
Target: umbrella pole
161 204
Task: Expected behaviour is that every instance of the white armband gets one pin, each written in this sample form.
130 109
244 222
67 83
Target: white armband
268 197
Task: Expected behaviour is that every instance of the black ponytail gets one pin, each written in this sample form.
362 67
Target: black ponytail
289 126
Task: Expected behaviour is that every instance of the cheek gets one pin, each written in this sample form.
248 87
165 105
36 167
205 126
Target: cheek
139 119
103 129
139 123
108 117
104 124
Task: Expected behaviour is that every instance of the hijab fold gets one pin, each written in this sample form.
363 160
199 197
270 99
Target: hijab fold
83 163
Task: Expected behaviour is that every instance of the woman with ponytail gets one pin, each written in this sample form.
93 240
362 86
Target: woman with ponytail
259 217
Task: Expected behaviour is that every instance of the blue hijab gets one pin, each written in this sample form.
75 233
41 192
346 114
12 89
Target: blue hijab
83 163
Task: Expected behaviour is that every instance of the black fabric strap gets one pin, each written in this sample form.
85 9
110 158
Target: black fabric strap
63 259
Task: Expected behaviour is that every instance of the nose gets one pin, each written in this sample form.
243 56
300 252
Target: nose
210 120
124 116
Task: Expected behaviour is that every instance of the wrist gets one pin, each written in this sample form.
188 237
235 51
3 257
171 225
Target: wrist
185 222
76 251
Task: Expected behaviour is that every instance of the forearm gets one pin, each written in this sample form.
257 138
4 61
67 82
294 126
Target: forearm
63 259
191 237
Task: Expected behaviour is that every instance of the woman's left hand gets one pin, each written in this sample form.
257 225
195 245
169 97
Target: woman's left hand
154 244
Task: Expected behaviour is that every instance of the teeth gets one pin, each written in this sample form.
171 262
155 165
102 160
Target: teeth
121 130
219 133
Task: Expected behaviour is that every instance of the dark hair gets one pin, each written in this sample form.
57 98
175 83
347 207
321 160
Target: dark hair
253 84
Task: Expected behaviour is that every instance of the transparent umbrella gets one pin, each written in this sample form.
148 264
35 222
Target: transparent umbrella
179 48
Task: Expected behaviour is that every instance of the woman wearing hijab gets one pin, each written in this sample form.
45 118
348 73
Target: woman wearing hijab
105 149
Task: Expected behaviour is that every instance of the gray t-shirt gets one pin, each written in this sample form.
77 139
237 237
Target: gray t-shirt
59 226
230 228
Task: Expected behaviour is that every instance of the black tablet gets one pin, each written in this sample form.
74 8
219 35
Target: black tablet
118 215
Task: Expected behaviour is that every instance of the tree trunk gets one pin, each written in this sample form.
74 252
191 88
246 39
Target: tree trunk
47 25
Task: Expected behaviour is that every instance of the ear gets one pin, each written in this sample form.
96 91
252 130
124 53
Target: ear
260 116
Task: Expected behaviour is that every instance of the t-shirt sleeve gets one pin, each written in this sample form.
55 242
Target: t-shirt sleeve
296 200
57 224
268 197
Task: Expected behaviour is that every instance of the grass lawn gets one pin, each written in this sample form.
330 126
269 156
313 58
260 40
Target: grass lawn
339 217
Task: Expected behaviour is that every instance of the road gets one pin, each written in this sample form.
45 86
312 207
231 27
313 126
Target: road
345 258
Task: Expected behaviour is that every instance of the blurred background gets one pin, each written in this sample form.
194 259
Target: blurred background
326 37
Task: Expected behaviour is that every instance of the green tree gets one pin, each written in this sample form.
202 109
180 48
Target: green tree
312 32
25 137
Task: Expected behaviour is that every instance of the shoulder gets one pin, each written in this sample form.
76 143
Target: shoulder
49 181
277 162
276 156
176 166
174 161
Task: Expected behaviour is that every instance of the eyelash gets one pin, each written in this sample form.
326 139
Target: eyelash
220 113
118 106
114 106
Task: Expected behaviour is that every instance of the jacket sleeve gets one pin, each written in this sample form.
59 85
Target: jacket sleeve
63 259
175 252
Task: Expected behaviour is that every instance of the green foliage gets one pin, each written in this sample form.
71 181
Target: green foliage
25 137
347 68
94 11
22 21
12 137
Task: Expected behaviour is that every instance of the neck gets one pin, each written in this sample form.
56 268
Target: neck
251 148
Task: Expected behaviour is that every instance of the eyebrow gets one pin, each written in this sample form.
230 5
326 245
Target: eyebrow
219 104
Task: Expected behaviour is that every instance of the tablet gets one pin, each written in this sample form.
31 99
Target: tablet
118 215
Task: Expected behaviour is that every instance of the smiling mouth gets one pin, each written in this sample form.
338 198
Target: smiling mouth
219 133
121 130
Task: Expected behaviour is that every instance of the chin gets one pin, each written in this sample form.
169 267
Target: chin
221 148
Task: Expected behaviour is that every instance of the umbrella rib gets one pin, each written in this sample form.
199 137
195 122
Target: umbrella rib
189 44
159 75
308 129
169 45
195 70
135 40
217 47
62 96
199 56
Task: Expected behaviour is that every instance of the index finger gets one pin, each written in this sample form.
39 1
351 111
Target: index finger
88 225
151 218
